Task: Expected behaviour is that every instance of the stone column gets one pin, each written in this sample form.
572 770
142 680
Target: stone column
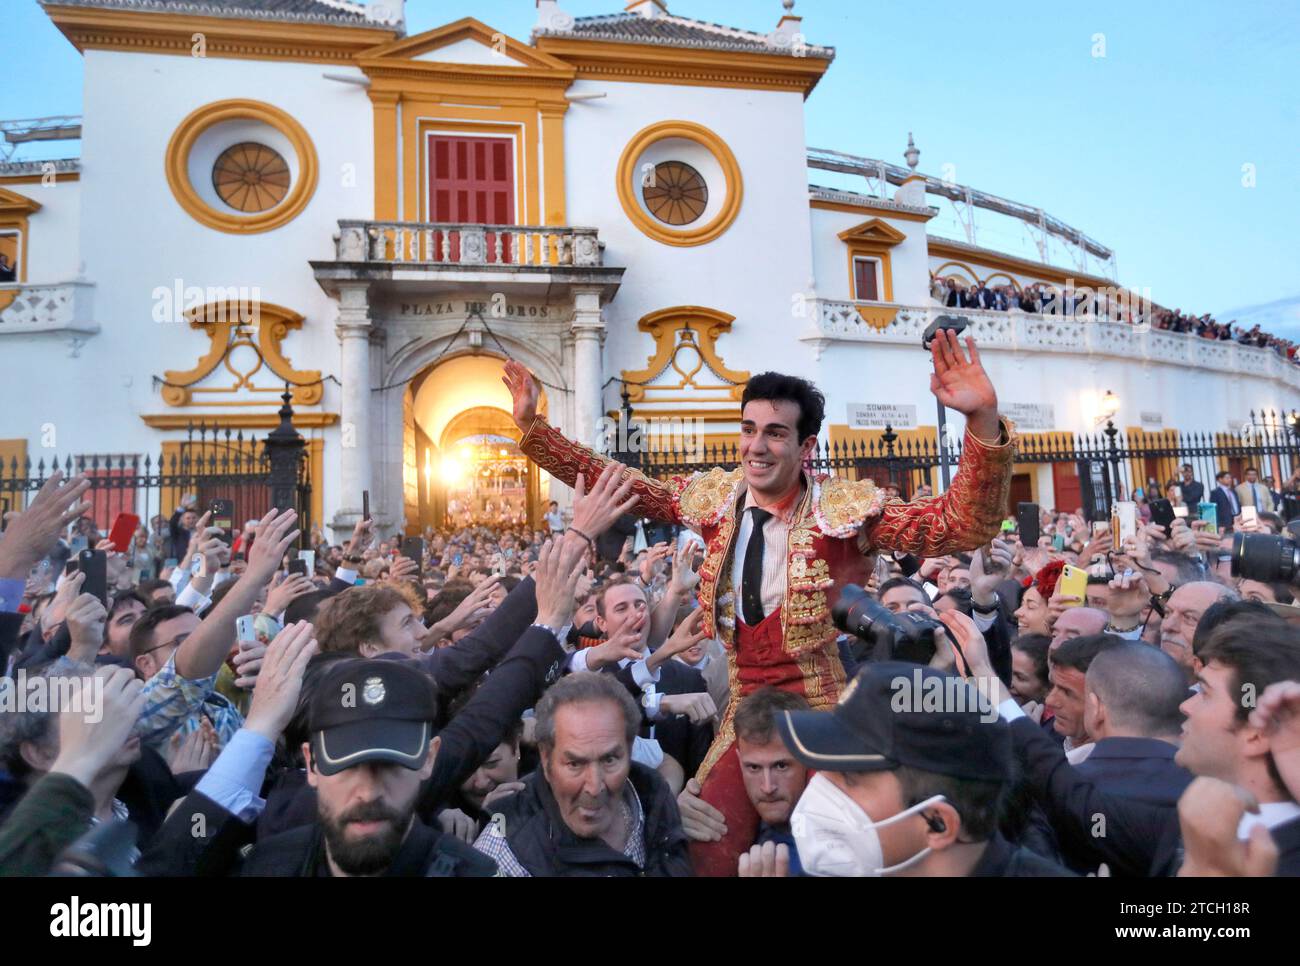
353 329
588 372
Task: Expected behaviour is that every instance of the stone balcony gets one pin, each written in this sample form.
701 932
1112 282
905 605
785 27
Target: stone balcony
875 322
434 257
61 308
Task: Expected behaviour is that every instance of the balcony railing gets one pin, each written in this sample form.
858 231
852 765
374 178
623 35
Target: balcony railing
61 308
1015 331
429 243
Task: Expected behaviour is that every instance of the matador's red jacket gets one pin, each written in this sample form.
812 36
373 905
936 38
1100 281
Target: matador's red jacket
837 527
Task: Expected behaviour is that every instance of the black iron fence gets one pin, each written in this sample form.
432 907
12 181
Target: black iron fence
208 463
1089 469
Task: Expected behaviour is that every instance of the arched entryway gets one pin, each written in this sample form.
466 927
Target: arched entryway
461 459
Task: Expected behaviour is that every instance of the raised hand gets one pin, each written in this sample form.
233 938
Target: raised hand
771 860
685 578
1209 813
697 706
30 534
688 633
86 619
279 597
962 384
89 744
595 512
275 533
280 681
558 567
523 389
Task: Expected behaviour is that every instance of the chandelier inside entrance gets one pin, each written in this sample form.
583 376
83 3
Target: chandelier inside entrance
485 477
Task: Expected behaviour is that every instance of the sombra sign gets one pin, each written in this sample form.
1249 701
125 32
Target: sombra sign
880 415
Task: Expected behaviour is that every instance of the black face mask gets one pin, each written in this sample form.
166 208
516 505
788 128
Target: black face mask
587 630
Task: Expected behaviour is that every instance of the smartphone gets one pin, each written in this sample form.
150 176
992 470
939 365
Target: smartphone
1163 513
309 556
298 566
1008 526
70 567
170 562
1180 512
94 564
244 631
124 528
1210 514
365 504
223 516
1125 520
1058 542
1249 514
413 549
1099 527
1027 524
1073 583
197 565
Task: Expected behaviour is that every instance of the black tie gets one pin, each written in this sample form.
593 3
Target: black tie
751 571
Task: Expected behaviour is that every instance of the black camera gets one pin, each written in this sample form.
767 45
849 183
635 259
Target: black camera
108 850
882 635
1266 557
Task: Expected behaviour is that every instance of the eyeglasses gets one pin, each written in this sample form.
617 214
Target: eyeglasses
174 642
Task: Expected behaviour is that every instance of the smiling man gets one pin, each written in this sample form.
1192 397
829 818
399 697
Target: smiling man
780 542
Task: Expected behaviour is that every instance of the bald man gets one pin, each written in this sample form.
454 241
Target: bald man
1078 622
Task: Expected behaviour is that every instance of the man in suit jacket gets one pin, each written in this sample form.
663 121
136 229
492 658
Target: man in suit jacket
1132 695
1253 492
1219 741
1224 497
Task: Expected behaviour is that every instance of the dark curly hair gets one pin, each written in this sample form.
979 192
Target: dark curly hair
776 387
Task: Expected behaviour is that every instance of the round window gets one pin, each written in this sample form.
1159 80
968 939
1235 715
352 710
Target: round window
678 194
250 177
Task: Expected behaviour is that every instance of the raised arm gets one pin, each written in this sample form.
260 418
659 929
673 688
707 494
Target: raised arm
565 459
970 513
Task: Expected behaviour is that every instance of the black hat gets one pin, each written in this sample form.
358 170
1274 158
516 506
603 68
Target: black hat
894 714
371 710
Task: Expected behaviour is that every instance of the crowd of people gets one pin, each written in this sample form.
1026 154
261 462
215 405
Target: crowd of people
1084 302
517 701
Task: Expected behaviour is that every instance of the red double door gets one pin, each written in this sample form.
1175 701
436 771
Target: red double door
472 181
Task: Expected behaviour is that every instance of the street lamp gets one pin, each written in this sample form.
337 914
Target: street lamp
1109 407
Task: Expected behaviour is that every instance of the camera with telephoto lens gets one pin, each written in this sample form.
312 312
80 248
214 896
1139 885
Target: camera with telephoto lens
882 635
1267 557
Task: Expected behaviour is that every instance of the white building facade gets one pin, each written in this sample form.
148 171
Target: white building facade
271 194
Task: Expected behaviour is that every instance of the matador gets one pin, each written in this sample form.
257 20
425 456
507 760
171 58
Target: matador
780 541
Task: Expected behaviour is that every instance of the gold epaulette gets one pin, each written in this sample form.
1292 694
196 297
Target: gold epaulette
704 498
843 505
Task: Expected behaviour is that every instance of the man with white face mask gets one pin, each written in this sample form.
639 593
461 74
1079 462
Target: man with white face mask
912 765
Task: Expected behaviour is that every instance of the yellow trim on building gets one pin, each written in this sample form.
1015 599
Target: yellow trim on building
302 420
522 98
664 325
59 178
14 211
152 32
657 230
867 208
225 328
963 257
873 239
694 66
178 176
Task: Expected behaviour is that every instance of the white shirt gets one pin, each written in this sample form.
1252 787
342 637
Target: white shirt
775 536
1271 815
